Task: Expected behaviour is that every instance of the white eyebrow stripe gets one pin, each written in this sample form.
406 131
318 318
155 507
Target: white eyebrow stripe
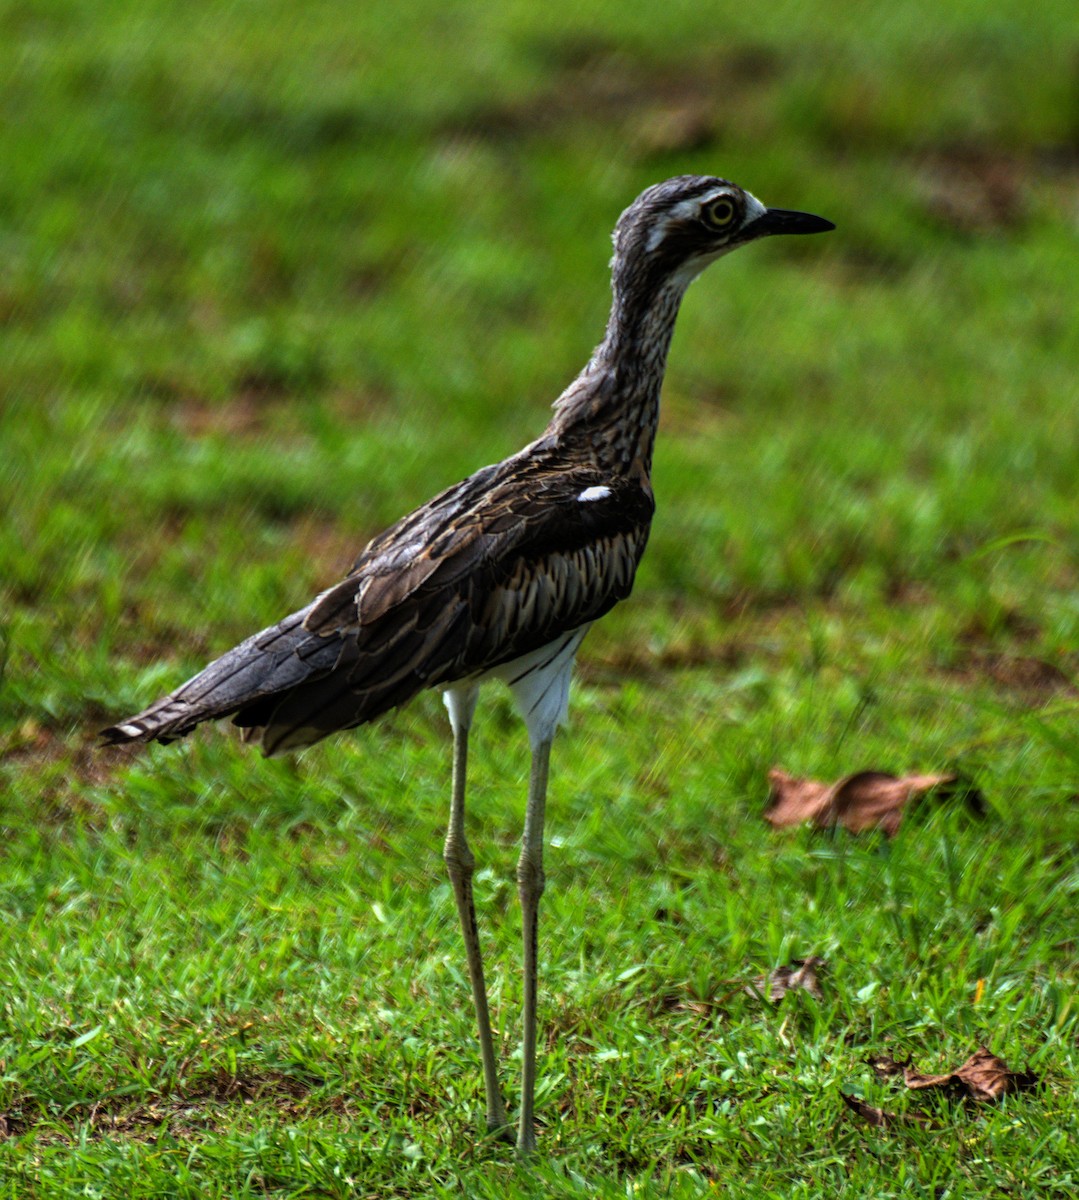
596 492
687 209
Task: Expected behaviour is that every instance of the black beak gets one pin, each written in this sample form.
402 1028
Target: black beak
781 220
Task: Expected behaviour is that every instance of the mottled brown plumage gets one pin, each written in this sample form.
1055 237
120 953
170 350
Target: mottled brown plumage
487 571
500 574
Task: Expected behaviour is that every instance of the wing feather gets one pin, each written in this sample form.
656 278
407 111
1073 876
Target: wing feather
491 569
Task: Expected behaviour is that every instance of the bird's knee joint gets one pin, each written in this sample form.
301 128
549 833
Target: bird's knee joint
530 877
458 857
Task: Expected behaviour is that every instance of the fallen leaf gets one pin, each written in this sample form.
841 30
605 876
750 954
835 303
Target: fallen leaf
982 1077
872 799
865 800
875 1116
792 800
880 1118
801 974
884 1065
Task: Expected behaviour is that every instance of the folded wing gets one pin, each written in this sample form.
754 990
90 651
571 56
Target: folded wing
491 569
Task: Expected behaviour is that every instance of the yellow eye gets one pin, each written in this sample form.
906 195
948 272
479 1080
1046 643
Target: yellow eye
720 213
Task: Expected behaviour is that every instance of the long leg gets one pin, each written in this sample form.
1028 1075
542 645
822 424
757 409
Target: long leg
460 863
530 880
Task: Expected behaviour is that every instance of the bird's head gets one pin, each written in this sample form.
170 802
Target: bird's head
674 229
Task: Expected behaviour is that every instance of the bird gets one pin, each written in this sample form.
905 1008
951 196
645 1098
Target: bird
498 577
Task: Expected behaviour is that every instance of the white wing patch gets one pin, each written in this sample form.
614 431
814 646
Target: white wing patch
597 492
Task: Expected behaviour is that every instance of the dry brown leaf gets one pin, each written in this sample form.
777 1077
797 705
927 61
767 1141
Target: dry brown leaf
801 974
865 800
873 799
982 1077
792 800
880 1118
884 1065
875 1116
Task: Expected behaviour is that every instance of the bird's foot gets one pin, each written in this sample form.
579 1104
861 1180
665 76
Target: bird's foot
501 1131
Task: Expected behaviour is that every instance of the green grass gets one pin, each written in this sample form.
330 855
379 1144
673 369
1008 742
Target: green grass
272 276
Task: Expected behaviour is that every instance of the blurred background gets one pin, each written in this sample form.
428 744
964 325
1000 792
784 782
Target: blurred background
271 274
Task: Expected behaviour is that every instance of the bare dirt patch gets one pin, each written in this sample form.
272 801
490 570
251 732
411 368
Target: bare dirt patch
1033 679
639 663
974 189
665 108
330 547
194 1110
49 760
248 413
259 405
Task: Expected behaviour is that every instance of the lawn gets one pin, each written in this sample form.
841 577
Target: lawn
274 274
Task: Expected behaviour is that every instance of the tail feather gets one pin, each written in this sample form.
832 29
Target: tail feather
289 686
272 661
